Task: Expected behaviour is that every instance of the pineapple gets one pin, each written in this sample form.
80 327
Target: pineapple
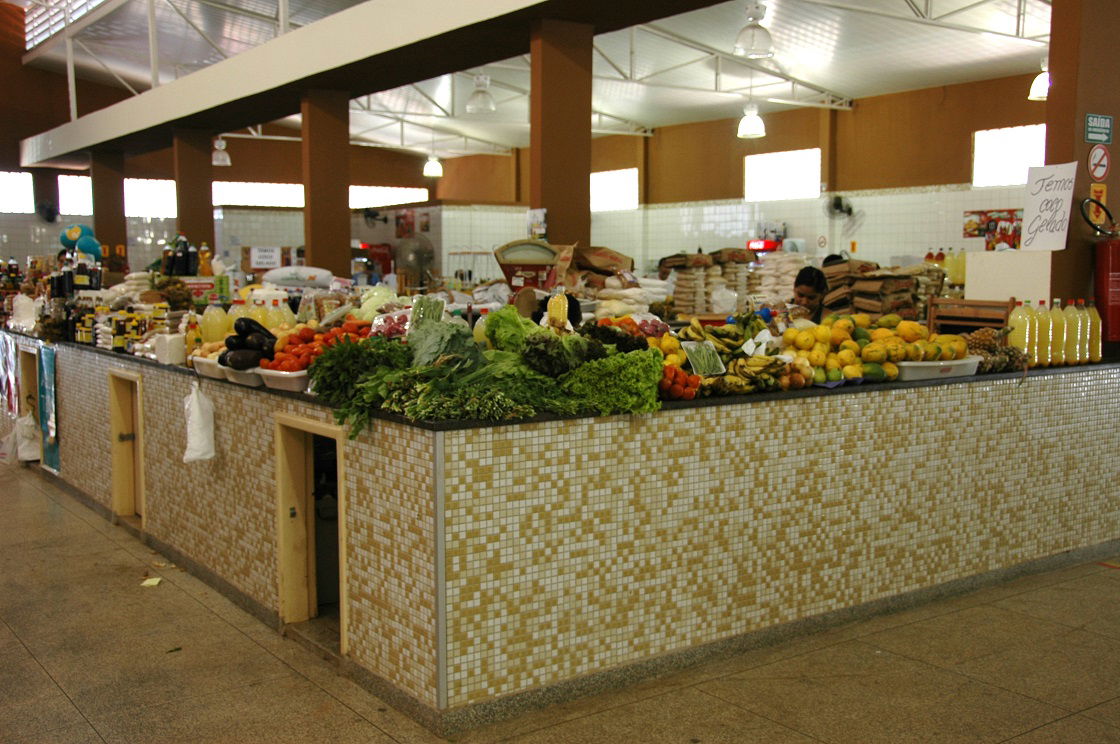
986 339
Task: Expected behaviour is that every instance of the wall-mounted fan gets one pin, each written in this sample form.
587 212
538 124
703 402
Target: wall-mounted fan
372 216
838 206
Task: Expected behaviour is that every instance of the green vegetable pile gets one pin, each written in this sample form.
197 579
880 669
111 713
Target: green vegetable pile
441 374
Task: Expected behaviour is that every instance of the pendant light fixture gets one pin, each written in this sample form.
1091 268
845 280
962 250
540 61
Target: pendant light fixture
753 41
433 168
1040 86
751 125
481 101
219 156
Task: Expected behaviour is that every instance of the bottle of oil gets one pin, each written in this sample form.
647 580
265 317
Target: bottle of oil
1073 333
1058 333
1044 337
1020 324
1094 333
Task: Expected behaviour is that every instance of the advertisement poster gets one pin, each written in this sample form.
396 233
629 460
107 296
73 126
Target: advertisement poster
406 223
9 385
1049 206
48 410
1000 228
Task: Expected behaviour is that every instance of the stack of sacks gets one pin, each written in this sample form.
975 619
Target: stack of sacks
657 289
689 296
713 281
103 332
133 286
930 280
737 276
778 271
617 302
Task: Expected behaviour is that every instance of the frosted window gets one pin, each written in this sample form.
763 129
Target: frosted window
250 194
1000 157
792 174
614 190
149 197
75 195
16 192
383 196
42 20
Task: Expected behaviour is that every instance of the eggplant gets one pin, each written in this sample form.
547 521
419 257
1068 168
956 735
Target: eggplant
223 358
245 326
266 345
235 343
243 359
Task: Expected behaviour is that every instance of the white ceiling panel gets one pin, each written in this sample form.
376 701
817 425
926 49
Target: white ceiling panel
676 70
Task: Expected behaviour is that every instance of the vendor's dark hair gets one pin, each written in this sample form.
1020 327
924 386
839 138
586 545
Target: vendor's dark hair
810 276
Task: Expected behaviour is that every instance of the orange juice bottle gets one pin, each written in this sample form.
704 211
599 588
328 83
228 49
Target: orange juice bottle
1020 323
1083 338
1094 333
1058 333
1044 338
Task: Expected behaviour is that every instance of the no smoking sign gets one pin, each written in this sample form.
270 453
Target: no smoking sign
1099 162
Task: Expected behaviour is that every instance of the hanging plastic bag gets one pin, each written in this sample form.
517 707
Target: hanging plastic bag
29 439
200 426
8 448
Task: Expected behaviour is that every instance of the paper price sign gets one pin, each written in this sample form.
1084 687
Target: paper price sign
1049 204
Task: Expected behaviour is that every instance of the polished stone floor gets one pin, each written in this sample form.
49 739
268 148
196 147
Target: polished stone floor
89 655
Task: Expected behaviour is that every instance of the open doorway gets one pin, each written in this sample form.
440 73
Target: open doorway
311 507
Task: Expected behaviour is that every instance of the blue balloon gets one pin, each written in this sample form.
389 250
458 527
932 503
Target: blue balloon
71 234
90 246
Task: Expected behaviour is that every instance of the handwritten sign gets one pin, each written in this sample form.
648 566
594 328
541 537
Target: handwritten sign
1048 207
265 257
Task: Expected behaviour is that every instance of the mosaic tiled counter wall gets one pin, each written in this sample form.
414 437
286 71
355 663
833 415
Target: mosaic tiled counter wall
486 562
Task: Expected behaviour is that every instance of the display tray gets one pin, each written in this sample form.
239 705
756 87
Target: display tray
932 370
208 367
249 377
295 382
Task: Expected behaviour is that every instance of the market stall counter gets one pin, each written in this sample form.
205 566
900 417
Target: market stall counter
487 569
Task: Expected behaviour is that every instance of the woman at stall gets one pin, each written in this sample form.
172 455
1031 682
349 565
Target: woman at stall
809 289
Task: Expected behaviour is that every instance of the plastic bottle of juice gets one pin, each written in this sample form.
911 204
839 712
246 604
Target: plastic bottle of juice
286 314
1058 333
237 310
1032 334
1073 333
275 316
939 258
1044 338
193 337
962 266
214 321
1083 339
259 312
1020 323
1094 333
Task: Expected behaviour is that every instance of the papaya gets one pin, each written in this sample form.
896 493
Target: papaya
874 372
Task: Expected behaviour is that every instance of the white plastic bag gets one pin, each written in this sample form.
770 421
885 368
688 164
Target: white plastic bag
29 439
200 426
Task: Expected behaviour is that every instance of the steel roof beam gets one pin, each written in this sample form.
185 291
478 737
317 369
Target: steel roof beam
923 21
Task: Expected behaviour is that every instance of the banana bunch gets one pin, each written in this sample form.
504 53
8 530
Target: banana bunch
726 338
728 385
750 324
763 371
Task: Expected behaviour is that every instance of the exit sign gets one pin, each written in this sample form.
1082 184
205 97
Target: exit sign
1098 129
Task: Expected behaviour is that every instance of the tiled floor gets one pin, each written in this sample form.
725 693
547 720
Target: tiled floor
88 655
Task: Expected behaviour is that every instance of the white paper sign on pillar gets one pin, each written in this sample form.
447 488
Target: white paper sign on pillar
265 257
1049 205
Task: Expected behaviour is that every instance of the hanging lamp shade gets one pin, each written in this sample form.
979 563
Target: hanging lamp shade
433 168
219 156
751 125
753 41
1040 86
481 100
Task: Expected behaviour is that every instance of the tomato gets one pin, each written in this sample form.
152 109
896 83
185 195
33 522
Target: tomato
694 381
364 332
676 391
349 327
318 337
689 393
665 384
306 334
265 364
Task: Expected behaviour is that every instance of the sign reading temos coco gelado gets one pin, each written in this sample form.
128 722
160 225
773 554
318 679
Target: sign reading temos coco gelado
1049 204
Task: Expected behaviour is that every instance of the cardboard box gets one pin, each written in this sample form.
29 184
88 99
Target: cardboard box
204 286
883 284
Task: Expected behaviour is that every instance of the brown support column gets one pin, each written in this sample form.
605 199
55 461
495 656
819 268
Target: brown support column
1084 79
44 189
560 140
106 172
326 180
194 194
827 139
